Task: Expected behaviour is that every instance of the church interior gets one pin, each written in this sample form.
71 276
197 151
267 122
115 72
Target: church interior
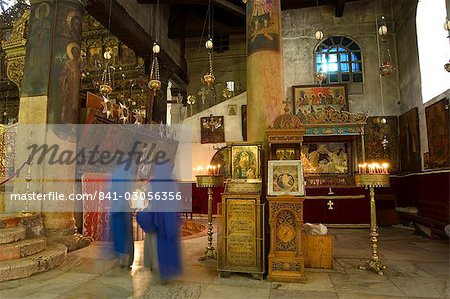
276 149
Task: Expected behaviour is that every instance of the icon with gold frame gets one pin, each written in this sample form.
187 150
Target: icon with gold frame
285 178
245 162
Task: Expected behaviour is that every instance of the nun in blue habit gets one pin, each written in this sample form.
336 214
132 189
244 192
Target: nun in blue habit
161 224
123 180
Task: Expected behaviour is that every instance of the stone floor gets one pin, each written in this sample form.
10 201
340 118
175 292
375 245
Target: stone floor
417 268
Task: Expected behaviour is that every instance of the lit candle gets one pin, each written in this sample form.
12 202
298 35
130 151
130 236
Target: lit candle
385 167
218 169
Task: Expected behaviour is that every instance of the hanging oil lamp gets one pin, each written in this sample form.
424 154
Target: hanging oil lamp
107 76
386 66
208 79
155 83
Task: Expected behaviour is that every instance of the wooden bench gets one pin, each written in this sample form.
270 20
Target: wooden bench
436 226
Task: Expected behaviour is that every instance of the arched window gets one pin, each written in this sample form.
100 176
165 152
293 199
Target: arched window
340 58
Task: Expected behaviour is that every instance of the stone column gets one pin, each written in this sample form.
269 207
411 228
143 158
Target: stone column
50 95
265 86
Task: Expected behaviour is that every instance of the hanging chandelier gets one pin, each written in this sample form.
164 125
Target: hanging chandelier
155 82
106 85
386 66
209 79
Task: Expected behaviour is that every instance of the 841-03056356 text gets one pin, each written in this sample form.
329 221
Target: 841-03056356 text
97 195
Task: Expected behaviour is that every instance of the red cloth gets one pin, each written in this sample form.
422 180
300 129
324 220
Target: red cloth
95 222
200 199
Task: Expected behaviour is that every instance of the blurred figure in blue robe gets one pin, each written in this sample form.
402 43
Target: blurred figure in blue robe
123 181
161 224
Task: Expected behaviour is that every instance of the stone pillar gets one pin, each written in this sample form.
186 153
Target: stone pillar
50 95
265 86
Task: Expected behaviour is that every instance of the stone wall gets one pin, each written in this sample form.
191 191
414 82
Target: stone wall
359 24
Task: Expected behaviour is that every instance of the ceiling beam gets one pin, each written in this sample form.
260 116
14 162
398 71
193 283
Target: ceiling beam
130 32
224 4
340 5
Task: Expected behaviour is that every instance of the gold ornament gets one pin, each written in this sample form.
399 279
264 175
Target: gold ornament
105 89
154 85
208 80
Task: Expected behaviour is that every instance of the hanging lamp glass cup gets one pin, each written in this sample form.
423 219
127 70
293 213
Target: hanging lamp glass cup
209 44
382 30
386 69
319 35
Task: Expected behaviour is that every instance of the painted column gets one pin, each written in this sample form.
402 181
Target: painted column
265 86
50 95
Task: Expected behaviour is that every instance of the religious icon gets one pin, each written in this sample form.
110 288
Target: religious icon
68 83
232 110
312 98
438 122
325 158
38 42
285 177
212 129
245 162
263 25
222 157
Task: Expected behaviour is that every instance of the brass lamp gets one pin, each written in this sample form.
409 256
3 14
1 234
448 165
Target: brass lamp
208 79
155 83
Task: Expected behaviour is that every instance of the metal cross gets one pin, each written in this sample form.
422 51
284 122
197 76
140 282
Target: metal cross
330 205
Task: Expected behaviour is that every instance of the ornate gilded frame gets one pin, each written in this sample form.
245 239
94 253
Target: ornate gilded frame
285 169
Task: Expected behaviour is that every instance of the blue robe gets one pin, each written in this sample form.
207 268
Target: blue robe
121 214
161 218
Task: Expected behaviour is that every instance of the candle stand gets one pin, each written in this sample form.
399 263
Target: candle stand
209 181
372 181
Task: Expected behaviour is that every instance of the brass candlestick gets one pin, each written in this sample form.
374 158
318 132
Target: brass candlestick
209 181
372 181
